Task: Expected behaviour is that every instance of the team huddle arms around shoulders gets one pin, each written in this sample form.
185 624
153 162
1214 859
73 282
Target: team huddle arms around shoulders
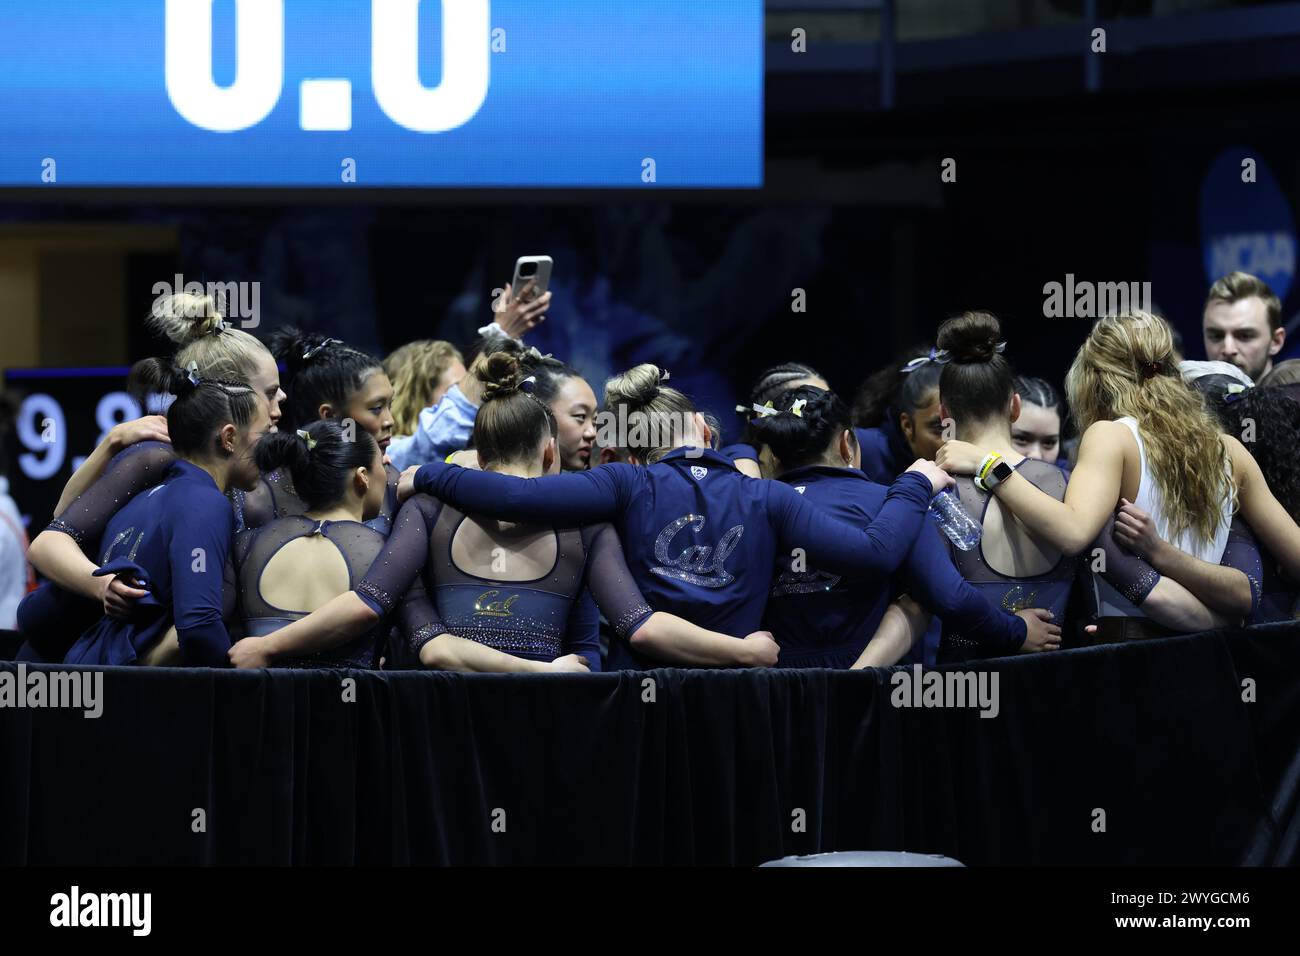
304 504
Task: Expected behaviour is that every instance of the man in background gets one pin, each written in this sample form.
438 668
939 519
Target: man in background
1243 324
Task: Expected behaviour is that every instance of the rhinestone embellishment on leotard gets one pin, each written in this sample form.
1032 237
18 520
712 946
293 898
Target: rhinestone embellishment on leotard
384 599
630 617
491 608
1017 600
424 635
58 524
700 564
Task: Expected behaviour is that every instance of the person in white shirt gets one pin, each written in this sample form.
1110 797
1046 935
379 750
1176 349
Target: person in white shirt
15 572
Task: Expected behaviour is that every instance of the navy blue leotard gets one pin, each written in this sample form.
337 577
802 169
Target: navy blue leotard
701 539
825 620
175 538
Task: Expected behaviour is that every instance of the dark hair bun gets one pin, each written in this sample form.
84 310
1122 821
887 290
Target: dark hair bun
292 346
159 375
971 337
282 450
287 345
799 438
320 464
500 375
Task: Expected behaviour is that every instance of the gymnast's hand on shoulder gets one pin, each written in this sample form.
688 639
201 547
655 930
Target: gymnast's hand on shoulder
959 457
466 458
939 479
148 428
406 484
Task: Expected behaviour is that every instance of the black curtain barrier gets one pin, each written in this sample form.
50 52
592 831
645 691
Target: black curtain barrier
1180 751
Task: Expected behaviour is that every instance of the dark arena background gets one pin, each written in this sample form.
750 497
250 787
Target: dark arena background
722 187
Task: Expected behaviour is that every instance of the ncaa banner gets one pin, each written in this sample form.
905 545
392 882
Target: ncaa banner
381 93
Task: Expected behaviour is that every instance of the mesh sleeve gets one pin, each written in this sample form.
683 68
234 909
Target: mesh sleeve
611 582
391 506
230 594
419 617
572 498
1122 569
254 508
398 566
273 498
582 635
243 543
934 580
1242 553
130 472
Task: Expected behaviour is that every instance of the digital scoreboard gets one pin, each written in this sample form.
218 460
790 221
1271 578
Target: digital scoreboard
381 93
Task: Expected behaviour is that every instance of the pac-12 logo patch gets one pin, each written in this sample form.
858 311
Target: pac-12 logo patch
698 472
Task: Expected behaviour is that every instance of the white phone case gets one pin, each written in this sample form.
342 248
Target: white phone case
541 265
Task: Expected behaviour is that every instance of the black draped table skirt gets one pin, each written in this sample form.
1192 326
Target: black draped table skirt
1175 751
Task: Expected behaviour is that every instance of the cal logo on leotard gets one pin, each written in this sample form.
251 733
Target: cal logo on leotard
494 608
699 471
801 488
1016 600
123 536
700 564
804 582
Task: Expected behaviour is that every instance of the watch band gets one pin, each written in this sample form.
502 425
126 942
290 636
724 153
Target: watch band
985 469
1000 472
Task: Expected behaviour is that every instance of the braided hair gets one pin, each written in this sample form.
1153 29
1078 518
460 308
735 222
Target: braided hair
202 405
803 426
318 371
770 385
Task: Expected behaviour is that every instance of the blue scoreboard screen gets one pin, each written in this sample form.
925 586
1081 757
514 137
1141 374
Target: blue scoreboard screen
381 93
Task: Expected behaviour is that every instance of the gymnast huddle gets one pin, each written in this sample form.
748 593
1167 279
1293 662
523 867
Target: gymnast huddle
304 504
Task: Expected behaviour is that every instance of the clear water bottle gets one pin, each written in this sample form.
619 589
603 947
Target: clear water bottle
955 521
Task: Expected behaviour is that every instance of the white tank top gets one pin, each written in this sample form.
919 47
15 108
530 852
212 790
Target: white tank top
1110 603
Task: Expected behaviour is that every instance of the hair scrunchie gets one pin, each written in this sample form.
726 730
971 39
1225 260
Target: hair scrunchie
315 350
937 356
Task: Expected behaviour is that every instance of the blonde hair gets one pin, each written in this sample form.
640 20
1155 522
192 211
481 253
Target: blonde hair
1126 368
654 413
197 326
415 370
